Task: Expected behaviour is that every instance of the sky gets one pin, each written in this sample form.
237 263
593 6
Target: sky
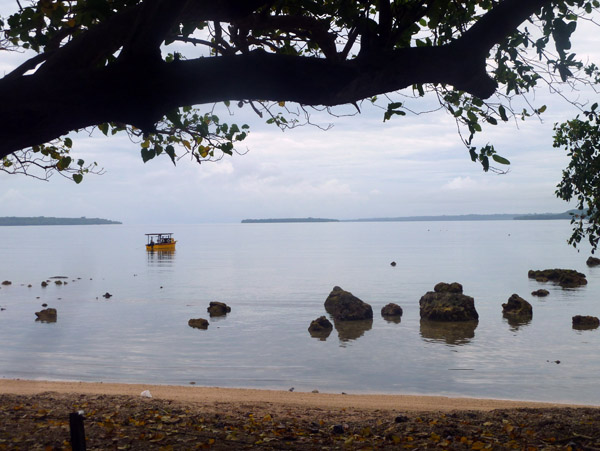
361 167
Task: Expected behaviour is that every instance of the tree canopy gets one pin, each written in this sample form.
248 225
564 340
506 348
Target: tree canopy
153 69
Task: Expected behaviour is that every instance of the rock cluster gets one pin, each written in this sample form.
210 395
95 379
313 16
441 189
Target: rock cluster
218 309
585 322
344 306
566 278
448 303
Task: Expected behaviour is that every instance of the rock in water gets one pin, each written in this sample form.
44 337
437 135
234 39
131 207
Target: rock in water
344 306
517 306
566 278
48 315
593 261
447 303
541 293
218 309
198 323
585 322
391 309
321 324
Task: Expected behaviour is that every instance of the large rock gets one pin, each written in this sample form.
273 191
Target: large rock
344 306
585 322
447 303
48 315
218 309
391 310
320 328
593 261
566 278
198 323
517 307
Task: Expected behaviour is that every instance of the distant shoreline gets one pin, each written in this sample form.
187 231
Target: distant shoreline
43 221
470 217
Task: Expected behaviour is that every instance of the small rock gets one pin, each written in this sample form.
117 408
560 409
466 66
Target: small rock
337 429
58 282
291 389
198 323
107 295
585 322
401 419
44 284
393 264
146 394
321 324
540 293
29 286
218 309
593 261
391 309
7 282
517 306
48 315
44 305
315 391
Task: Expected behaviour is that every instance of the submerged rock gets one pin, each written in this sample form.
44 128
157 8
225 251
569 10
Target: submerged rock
393 264
218 309
48 315
344 306
198 323
540 293
7 282
593 261
585 322
107 295
447 303
44 283
391 309
517 307
566 278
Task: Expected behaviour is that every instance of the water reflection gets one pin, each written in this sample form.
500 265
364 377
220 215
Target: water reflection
161 258
451 333
352 330
516 322
322 335
393 319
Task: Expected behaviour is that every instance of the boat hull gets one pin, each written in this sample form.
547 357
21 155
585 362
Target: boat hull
161 247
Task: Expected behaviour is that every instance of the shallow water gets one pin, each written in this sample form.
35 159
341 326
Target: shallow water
276 278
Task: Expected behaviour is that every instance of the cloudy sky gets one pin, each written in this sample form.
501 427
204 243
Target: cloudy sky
361 167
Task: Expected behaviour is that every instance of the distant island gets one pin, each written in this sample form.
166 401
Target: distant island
471 217
269 221
43 220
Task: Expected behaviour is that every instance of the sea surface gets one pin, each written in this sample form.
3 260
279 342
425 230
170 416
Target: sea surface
276 278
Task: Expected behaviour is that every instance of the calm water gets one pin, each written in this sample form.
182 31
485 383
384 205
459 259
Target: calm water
276 278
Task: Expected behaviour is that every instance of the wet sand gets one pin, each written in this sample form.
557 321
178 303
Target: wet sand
216 395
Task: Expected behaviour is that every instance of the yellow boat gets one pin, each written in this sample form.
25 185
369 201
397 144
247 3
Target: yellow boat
160 242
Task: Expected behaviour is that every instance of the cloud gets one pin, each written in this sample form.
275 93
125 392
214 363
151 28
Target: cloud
460 184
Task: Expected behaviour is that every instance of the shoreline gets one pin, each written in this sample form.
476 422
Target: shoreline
282 398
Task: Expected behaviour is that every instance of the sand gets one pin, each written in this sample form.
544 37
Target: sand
212 395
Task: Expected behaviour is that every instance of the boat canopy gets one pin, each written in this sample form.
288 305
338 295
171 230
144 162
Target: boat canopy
159 238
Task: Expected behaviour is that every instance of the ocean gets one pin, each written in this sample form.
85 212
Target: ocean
276 278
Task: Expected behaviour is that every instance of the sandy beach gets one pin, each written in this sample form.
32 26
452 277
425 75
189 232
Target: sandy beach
211 395
35 415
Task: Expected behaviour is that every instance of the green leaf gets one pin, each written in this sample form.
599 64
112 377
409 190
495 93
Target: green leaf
499 159
502 112
103 128
170 150
148 154
77 178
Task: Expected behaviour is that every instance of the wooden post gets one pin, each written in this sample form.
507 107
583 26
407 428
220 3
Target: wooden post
77 431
